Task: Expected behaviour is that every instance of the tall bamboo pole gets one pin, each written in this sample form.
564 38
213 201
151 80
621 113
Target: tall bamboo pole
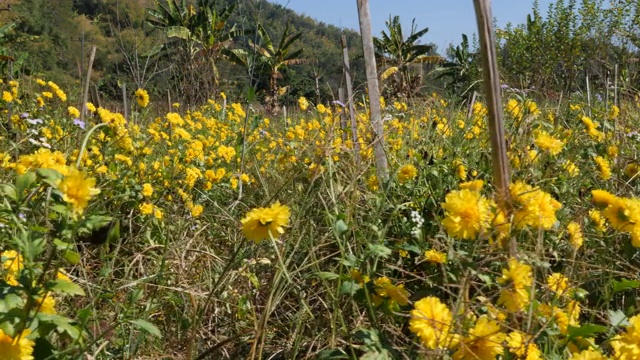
382 167
350 105
501 176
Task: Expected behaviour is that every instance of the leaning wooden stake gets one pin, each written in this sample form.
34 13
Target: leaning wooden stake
349 103
501 177
374 93
85 94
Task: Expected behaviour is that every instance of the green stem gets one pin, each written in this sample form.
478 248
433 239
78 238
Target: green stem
84 142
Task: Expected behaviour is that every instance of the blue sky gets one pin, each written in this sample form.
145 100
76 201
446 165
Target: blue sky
446 20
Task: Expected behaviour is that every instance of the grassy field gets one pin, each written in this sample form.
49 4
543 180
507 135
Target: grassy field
220 233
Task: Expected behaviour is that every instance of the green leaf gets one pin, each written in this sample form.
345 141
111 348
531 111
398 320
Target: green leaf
585 331
114 232
67 287
49 174
72 257
340 227
60 209
625 284
24 181
326 275
349 261
617 318
332 354
61 245
9 191
349 287
147 326
61 323
379 250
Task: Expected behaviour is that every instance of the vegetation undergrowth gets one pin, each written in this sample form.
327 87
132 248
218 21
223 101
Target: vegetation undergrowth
155 237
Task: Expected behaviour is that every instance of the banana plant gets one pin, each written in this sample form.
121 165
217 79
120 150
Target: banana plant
266 60
197 35
397 54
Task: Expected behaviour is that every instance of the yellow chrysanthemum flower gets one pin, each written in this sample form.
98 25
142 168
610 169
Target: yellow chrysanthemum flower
603 166
262 223
474 185
548 143
533 207
575 235
147 190
146 208
20 348
385 289
516 279
557 283
407 173
626 346
590 354
142 97
522 346
431 322
303 103
73 112
435 257
77 190
484 341
468 214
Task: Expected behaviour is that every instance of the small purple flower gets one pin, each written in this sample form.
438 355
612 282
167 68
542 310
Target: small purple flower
24 115
336 102
504 86
79 123
22 216
599 97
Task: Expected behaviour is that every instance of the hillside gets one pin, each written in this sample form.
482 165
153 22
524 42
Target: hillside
56 45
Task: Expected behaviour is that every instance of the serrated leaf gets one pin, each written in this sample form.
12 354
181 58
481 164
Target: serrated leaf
67 287
625 284
349 287
349 261
147 326
617 318
326 275
585 331
61 323
379 250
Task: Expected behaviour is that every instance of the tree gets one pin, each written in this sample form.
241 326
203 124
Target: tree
264 60
461 72
397 54
197 37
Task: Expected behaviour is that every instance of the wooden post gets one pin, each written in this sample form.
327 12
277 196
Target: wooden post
382 167
588 95
343 114
169 101
85 94
124 101
349 103
501 176
95 96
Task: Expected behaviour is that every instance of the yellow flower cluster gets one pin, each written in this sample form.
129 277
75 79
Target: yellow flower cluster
264 223
622 213
533 207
